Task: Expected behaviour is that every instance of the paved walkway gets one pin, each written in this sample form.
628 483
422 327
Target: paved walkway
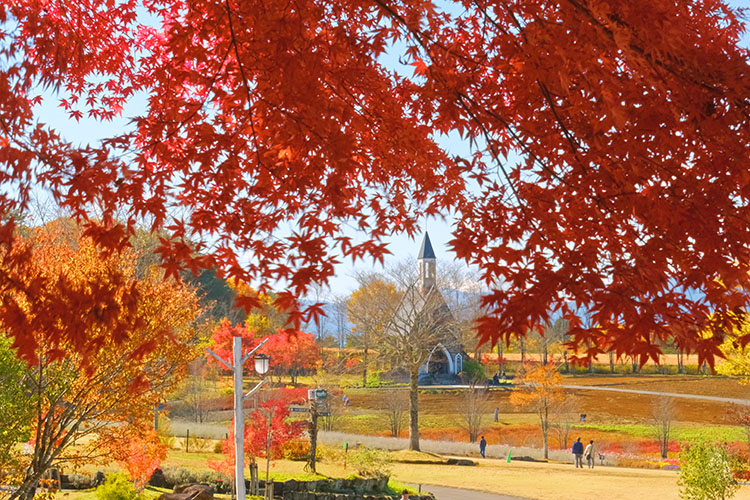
443 493
719 399
657 393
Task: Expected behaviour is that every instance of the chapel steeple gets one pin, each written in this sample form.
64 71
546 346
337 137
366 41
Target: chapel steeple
426 261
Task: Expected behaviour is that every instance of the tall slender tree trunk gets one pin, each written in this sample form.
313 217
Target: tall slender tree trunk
364 368
545 431
522 341
414 408
500 361
611 362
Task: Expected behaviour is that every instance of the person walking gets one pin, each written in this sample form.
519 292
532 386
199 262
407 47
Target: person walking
590 454
578 453
497 412
482 446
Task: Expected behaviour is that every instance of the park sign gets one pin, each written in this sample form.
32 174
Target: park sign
298 409
317 394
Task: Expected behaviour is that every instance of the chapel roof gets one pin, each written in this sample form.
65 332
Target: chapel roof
426 252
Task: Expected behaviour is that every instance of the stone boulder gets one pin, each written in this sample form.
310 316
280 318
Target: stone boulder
462 461
157 479
191 491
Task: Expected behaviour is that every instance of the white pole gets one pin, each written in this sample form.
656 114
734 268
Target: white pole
239 420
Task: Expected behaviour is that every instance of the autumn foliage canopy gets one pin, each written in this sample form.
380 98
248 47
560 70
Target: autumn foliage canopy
290 352
607 171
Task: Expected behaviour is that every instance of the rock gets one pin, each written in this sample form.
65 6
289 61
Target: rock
99 478
157 479
460 461
190 491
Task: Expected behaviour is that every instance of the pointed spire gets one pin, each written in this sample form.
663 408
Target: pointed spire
426 252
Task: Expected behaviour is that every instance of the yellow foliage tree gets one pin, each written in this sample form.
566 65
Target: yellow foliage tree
370 308
264 320
737 356
540 390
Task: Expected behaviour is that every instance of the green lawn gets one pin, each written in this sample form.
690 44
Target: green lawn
678 433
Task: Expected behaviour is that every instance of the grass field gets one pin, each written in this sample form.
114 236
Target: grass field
621 423
613 418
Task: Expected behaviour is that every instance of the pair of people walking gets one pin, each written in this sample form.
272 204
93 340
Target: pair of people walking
589 453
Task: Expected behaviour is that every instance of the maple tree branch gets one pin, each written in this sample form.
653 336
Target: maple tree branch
571 140
638 49
246 84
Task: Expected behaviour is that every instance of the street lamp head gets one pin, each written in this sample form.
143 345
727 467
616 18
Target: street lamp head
261 363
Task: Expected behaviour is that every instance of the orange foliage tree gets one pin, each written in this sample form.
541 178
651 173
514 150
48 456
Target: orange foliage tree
608 162
539 389
137 450
80 398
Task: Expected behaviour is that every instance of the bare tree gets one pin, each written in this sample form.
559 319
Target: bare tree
334 406
417 321
564 417
196 388
740 415
341 328
475 408
318 293
550 336
420 322
664 413
396 405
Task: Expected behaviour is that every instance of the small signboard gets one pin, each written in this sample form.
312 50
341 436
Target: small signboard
317 394
298 409
324 414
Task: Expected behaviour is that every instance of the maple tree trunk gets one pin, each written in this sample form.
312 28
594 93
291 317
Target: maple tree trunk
565 357
611 362
522 340
500 357
414 408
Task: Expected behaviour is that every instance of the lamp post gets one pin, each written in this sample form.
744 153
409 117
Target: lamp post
261 366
